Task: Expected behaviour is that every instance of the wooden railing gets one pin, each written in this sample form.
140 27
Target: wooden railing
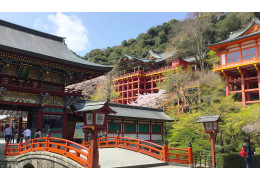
162 153
238 63
60 146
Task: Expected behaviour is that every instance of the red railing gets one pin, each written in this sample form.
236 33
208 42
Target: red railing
238 63
60 146
162 153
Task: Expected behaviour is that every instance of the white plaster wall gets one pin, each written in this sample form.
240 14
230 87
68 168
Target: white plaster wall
144 137
156 137
223 59
110 135
249 45
130 135
232 46
247 42
234 49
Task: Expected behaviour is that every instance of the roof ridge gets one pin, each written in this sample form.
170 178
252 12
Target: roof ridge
31 31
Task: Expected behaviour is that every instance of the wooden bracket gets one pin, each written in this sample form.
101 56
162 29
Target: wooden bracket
256 67
239 70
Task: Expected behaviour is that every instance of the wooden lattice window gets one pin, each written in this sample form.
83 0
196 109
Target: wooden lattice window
156 129
144 128
130 128
114 127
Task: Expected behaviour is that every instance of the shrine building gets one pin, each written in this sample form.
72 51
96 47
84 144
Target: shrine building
240 63
139 76
128 120
35 68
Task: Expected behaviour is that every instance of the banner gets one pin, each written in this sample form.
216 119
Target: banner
78 133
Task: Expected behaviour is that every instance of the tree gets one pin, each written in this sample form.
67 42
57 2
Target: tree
150 100
193 37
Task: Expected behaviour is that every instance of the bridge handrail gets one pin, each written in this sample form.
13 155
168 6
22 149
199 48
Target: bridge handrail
163 153
46 144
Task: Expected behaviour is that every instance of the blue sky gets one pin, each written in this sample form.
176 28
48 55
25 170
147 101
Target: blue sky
85 31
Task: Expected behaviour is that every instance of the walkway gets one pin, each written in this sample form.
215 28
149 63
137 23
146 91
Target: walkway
118 157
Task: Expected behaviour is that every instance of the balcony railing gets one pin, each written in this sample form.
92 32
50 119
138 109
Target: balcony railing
139 72
238 63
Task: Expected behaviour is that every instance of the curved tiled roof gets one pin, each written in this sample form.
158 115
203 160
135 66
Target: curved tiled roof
240 34
30 42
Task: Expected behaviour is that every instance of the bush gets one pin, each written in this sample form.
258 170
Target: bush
234 160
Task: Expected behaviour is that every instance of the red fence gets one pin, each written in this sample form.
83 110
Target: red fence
60 146
163 153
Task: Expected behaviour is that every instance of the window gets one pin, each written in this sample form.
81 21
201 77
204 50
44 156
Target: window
233 57
143 128
114 127
248 53
156 129
130 128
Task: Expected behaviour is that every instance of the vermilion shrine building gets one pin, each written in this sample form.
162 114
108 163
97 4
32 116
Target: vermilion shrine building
140 76
240 63
35 68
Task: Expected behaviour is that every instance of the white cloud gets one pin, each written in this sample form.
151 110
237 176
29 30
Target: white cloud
39 24
72 28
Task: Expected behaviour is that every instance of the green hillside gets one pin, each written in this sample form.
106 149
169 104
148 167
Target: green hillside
172 35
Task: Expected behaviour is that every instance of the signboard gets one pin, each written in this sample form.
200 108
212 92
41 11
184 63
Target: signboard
89 118
78 133
100 118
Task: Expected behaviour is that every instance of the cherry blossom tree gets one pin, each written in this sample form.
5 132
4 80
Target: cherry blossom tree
150 99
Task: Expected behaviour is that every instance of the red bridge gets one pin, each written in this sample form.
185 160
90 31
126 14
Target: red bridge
80 153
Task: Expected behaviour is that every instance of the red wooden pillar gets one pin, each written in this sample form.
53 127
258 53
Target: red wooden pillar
94 154
227 83
64 124
20 123
258 77
243 88
152 84
212 143
127 88
248 98
39 120
138 85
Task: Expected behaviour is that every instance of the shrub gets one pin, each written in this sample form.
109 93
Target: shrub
234 160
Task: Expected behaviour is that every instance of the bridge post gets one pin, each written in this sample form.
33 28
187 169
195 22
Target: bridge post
19 148
47 143
117 140
190 155
165 151
6 146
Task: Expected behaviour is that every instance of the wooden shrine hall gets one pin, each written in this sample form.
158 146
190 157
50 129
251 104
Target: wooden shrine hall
35 68
139 76
240 63
129 121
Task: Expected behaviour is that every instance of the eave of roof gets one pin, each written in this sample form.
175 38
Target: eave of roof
34 43
239 34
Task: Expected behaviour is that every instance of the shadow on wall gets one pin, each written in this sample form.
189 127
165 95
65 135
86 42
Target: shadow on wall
28 166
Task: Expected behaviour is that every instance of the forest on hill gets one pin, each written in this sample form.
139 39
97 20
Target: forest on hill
178 36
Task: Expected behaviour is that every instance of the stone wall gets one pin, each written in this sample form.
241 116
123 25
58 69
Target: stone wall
38 159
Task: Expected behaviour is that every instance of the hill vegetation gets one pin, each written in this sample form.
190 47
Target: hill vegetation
176 36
